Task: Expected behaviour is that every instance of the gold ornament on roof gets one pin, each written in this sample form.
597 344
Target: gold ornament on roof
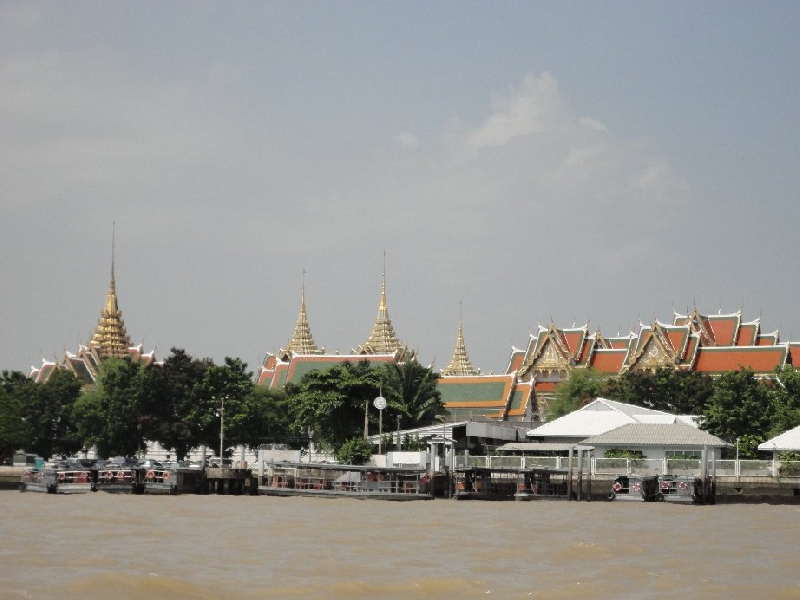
302 342
110 340
460 364
382 338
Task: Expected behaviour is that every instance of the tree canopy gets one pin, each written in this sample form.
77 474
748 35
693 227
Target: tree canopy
333 403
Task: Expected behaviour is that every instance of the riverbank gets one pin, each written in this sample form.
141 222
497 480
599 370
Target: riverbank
729 490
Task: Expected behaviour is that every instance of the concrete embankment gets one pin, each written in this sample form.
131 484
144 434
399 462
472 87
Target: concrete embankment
10 476
729 490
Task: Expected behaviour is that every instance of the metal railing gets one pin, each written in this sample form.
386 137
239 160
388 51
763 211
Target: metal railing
640 466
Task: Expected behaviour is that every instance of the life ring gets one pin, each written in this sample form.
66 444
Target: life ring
121 475
151 475
665 485
683 485
62 477
109 475
83 477
165 475
617 487
370 477
637 486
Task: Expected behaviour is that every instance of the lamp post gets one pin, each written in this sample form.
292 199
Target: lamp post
380 404
221 428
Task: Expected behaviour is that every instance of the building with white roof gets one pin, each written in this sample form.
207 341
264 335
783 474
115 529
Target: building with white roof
598 417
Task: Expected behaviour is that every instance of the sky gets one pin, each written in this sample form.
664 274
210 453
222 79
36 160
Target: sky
512 164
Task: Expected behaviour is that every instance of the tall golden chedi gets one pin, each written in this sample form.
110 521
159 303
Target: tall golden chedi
301 342
460 365
110 338
382 339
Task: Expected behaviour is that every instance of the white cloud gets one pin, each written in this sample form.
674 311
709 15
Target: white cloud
406 138
532 108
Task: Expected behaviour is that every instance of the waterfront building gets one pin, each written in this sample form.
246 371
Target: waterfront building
109 340
710 344
302 354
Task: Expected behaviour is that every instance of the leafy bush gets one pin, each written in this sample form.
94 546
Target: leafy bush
355 451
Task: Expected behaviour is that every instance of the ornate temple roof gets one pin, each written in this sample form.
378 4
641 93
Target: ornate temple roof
301 342
110 338
460 364
382 339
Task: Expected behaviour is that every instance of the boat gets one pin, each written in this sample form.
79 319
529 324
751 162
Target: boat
664 488
677 488
117 479
485 483
639 488
337 481
542 483
58 479
153 477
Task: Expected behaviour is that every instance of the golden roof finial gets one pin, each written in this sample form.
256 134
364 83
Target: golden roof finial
110 338
460 364
382 339
302 342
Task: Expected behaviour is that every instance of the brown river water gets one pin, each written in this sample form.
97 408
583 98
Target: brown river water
119 546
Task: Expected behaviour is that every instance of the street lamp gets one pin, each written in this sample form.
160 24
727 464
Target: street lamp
380 404
221 414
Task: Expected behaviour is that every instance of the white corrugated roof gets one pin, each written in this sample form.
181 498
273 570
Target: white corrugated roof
580 424
597 417
788 440
657 434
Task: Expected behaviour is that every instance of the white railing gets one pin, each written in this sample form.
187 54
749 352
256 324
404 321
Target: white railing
640 466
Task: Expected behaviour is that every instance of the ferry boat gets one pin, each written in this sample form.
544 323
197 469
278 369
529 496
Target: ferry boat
484 483
154 478
71 479
639 488
115 479
336 481
678 488
664 488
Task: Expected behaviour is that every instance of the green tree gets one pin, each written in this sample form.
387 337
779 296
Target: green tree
223 388
784 394
263 417
583 386
170 393
115 409
47 410
739 407
355 451
412 394
670 390
332 402
14 430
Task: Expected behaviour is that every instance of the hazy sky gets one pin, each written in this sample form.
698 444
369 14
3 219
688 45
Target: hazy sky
600 162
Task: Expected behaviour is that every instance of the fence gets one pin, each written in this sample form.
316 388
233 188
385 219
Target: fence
639 466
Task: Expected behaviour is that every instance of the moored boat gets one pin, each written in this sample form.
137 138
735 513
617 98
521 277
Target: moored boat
485 483
639 488
63 479
334 481
157 479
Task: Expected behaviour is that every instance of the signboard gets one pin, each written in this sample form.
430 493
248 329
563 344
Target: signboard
380 403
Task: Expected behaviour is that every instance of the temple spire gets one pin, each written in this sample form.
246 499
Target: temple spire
382 339
110 338
460 364
302 342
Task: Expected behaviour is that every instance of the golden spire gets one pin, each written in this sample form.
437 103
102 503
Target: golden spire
110 338
460 364
382 339
302 342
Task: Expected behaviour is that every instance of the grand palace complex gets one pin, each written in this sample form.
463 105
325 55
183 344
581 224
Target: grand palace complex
705 343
